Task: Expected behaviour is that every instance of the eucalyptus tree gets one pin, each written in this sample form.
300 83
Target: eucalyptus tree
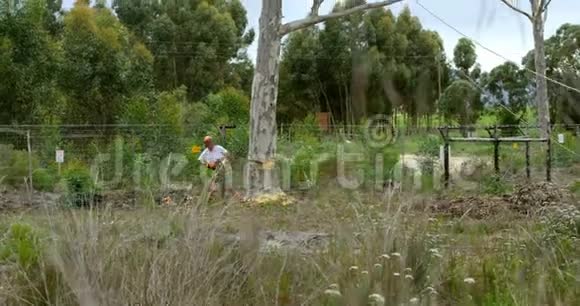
537 14
260 177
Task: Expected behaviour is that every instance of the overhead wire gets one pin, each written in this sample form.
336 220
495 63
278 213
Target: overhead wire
482 89
492 51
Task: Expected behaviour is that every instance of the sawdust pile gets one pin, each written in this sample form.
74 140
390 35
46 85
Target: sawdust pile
526 200
474 207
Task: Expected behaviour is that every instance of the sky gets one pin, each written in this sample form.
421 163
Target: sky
489 22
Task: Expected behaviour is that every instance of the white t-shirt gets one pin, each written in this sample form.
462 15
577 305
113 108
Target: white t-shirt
217 153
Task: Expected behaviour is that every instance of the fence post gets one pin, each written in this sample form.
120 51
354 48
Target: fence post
31 186
496 152
446 157
528 175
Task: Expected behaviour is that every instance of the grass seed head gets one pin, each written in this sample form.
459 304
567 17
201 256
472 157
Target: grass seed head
332 293
376 299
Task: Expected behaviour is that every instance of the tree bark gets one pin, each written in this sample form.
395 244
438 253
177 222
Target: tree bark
263 133
260 176
537 17
542 102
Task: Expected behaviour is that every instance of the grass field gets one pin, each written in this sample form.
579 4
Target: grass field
494 243
360 249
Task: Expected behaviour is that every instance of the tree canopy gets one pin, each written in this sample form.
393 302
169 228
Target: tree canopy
90 64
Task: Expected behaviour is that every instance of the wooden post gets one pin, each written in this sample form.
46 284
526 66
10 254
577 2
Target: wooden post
528 175
446 157
496 152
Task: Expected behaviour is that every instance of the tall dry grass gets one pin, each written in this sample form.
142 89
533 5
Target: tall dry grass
390 255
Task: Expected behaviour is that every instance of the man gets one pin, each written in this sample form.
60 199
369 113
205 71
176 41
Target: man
211 157
213 154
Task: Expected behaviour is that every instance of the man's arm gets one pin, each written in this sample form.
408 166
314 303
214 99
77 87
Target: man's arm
226 154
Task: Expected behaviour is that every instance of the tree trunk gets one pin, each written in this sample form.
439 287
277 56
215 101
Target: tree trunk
260 176
542 101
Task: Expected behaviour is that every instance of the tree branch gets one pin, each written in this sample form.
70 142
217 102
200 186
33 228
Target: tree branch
313 20
315 7
506 2
546 4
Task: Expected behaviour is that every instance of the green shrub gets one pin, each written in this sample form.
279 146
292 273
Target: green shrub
44 179
16 167
229 106
21 245
80 185
493 184
429 146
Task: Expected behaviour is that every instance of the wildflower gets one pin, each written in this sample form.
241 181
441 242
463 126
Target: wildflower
431 290
396 274
385 256
469 281
378 266
353 269
332 293
414 300
377 299
396 254
364 272
409 276
333 287
408 269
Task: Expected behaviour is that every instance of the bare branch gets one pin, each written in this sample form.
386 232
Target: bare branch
313 20
315 7
546 4
513 7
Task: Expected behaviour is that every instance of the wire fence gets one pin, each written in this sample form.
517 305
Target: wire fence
373 156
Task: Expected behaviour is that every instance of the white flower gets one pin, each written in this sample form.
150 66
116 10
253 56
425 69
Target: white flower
431 290
408 269
377 299
332 293
378 266
385 256
396 274
353 269
333 287
469 280
408 276
414 300
396 254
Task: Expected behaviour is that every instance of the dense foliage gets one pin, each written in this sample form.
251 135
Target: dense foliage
96 65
